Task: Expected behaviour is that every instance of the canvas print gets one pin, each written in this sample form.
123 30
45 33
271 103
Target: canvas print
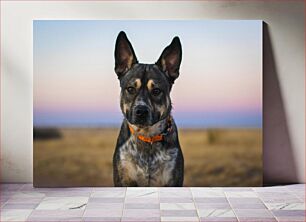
147 103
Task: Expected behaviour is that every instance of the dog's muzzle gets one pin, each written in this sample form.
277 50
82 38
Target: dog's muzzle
141 115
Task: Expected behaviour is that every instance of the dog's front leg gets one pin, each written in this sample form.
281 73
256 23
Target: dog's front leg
127 173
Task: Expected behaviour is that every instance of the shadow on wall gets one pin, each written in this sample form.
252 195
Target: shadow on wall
278 162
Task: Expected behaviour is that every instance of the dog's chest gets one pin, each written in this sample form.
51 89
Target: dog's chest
147 165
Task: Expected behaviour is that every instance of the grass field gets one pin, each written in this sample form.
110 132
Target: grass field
213 157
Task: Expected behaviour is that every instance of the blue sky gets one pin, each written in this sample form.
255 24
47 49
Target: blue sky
220 84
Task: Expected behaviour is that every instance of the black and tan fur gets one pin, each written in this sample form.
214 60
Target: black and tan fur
146 105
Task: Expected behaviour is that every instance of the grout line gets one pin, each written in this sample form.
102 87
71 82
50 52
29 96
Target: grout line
265 205
32 210
158 196
231 206
292 192
197 210
91 191
123 206
23 186
4 202
30 213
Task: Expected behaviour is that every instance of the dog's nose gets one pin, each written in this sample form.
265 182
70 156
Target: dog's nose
141 111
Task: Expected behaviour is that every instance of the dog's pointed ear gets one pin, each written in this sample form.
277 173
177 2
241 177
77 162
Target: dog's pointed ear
170 59
125 56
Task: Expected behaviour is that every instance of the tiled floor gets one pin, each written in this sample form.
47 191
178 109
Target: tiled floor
22 202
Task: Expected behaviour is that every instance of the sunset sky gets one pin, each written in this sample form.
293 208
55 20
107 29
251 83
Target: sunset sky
220 82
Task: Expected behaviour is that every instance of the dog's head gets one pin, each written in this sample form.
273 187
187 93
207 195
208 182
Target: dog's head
145 88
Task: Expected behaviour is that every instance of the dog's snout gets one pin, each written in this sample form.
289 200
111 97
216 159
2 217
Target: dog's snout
141 111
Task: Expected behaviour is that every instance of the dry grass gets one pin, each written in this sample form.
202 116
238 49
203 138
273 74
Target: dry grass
83 157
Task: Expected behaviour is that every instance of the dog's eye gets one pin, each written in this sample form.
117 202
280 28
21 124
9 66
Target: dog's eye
156 91
131 90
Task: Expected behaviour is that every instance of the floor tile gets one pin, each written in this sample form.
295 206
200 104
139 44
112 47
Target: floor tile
178 213
11 186
176 200
237 189
296 187
280 200
103 213
254 213
91 205
176 189
289 213
101 219
3 200
224 205
109 193
210 200
177 206
253 219
199 189
285 206
142 200
57 213
140 219
236 205
62 203
141 213
29 187
175 193
142 189
240 194
134 192
67 193
204 192
20 206
179 219
216 213
278 189
108 189
141 206
275 197
291 219
244 200
30 200
106 200
218 219
276 194
14 214
23 194
55 219
300 195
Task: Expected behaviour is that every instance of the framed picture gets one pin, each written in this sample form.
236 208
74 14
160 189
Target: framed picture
147 103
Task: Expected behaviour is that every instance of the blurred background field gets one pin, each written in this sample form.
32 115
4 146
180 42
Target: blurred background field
83 156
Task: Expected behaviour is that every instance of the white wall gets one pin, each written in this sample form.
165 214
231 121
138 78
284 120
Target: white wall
284 86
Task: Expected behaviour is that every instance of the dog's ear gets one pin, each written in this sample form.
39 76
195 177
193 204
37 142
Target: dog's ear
125 56
170 59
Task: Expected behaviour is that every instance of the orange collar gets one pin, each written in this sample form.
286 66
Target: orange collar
153 139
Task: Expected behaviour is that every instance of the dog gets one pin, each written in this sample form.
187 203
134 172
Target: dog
148 151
